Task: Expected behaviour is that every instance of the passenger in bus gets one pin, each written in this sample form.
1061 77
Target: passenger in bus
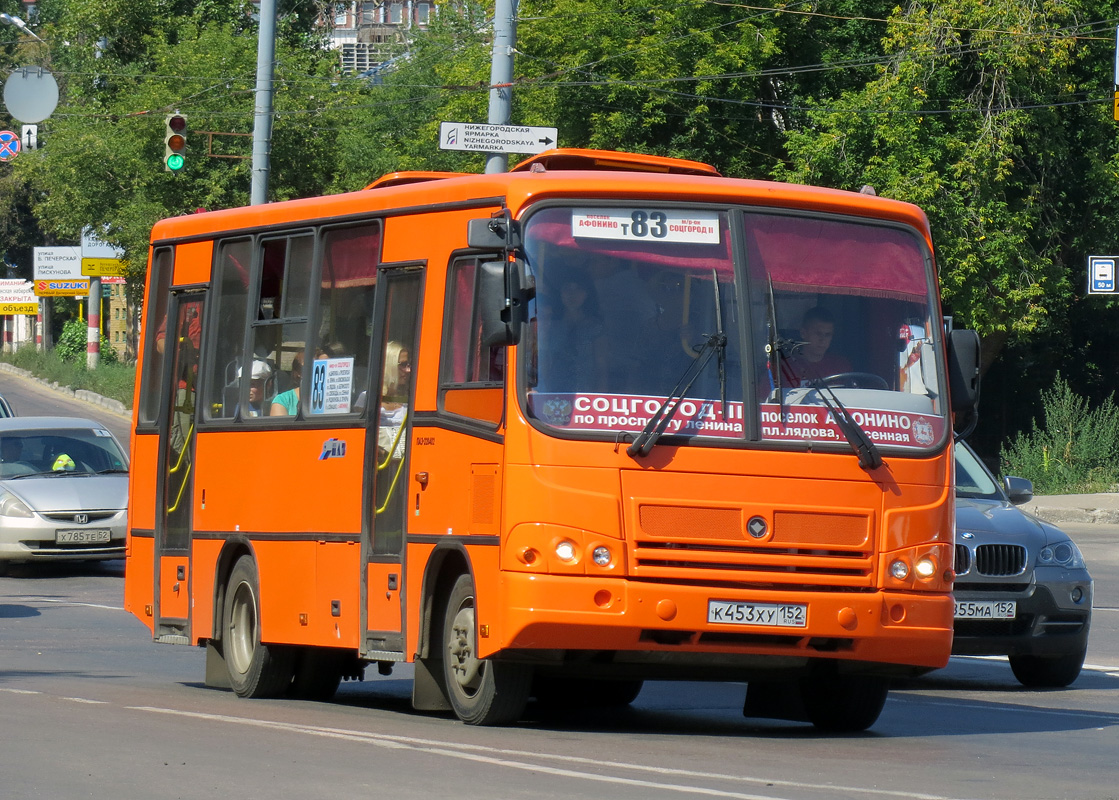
811 360
395 385
258 385
575 343
287 403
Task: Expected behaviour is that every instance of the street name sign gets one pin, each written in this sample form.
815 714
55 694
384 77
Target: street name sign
1101 274
53 263
486 138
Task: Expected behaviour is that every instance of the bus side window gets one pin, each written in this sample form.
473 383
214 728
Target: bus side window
472 375
344 320
280 327
230 296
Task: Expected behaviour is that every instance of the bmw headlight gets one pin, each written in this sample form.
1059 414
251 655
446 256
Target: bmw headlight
1061 554
12 506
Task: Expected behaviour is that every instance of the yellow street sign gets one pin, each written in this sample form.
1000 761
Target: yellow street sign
19 308
101 267
1115 108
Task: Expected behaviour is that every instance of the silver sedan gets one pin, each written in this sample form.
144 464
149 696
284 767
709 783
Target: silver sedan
63 490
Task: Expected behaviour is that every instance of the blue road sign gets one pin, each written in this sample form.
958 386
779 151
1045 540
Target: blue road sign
9 145
1101 274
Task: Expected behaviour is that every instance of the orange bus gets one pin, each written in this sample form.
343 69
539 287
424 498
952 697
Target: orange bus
548 434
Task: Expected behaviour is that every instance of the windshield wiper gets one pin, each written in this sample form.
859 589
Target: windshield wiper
716 343
659 421
110 471
47 473
864 447
778 348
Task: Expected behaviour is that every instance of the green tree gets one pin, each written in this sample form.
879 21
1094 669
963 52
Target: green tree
979 117
125 66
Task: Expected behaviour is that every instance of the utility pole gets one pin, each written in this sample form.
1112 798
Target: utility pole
262 115
501 74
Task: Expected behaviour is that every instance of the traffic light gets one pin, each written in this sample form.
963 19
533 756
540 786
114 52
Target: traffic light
174 143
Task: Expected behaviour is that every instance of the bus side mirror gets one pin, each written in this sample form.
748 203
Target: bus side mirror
503 295
963 370
499 232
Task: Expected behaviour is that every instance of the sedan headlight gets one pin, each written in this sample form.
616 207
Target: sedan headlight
12 506
1061 554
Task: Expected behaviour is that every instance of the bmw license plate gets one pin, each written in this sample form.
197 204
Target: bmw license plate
775 615
82 536
986 609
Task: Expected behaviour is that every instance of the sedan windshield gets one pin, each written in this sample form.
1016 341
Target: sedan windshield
76 451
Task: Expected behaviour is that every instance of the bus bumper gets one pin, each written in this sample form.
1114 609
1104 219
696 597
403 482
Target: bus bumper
567 613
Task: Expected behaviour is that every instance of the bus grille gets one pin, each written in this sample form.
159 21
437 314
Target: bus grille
713 544
999 560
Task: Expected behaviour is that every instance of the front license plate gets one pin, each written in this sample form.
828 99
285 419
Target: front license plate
82 536
986 609
776 615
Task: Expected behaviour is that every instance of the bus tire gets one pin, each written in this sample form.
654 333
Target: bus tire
843 703
481 691
255 669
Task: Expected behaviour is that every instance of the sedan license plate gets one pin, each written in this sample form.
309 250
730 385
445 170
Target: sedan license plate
776 615
986 609
82 536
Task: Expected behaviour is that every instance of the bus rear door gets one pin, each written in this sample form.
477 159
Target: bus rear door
175 483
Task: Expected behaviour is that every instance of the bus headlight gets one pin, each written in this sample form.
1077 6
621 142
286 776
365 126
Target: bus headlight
899 569
602 556
925 568
565 551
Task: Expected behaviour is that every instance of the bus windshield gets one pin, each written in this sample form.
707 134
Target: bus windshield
802 313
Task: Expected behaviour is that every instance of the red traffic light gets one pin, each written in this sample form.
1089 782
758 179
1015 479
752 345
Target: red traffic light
177 123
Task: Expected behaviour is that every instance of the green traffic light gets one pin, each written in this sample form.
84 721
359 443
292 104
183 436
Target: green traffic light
175 162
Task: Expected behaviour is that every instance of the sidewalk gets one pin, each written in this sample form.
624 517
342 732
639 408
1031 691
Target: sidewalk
1057 508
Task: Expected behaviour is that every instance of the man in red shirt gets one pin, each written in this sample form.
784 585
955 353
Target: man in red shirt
812 361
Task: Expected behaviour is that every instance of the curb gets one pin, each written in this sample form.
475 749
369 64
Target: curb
109 404
1102 516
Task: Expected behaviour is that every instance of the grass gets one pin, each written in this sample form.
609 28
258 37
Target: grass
109 380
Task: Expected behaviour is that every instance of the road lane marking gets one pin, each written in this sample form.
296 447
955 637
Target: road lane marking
483 754
67 603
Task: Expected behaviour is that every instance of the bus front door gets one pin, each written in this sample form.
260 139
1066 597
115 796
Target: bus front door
174 487
386 482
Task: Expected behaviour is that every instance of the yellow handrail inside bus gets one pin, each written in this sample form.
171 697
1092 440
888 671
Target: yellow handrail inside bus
182 488
392 487
183 452
395 442
388 459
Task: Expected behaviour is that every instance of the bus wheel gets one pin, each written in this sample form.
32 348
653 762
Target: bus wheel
481 692
318 671
255 669
843 703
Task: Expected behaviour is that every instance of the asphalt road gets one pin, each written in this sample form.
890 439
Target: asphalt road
91 708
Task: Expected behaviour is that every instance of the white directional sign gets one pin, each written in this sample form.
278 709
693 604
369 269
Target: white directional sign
485 138
1101 275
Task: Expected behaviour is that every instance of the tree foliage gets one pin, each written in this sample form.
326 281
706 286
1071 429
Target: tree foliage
992 115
